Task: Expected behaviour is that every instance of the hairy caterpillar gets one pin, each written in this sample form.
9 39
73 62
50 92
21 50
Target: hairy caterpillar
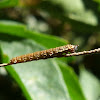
44 54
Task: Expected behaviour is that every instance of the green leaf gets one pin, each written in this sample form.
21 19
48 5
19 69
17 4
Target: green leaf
39 80
8 3
90 85
18 29
71 82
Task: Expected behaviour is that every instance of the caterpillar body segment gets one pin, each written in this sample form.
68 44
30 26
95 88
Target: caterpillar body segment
44 54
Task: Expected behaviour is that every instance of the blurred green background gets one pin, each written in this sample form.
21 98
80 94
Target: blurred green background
33 25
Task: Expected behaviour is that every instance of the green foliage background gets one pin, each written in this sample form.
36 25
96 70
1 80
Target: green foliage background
33 25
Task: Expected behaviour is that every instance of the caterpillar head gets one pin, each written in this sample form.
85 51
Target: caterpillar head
72 48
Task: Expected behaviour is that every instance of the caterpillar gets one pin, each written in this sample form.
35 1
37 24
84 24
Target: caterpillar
50 53
61 51
44 54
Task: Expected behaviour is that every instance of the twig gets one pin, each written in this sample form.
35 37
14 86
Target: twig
4 64
83 53
67 55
